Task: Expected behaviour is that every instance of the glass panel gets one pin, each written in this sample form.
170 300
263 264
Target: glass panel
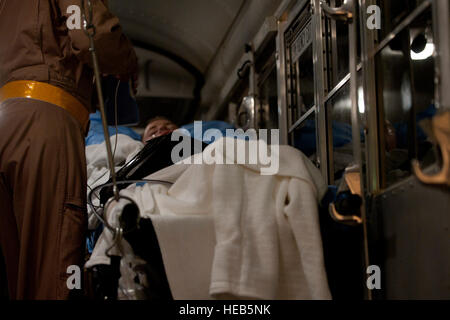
341 127
393 12
339 46
339 109
305 78
341 56
304 137
405 80
267 116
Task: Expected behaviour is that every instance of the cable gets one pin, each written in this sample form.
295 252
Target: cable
94 190
90 188
115 118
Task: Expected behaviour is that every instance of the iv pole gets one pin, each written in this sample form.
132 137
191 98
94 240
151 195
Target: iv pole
89 29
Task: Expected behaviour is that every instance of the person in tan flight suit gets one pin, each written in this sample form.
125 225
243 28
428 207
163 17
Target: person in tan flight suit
46 82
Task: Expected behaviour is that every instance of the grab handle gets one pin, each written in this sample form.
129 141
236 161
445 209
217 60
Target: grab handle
353 181
343 13
441 131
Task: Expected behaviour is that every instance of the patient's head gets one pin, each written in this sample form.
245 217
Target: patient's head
156 127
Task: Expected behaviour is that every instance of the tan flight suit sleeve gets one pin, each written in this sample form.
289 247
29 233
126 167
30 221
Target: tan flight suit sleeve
114 51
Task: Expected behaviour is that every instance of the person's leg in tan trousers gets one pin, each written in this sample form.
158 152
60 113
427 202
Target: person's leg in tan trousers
43 217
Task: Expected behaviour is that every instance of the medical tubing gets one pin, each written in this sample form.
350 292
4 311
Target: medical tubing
115 119
94 190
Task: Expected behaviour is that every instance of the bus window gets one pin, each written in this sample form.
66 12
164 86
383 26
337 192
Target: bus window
405 81
304 136
393 12
299 66
339 106
337 47
305 74
266 70
267 116
339 124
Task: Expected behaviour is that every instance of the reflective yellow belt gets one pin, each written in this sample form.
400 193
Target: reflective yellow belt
48 93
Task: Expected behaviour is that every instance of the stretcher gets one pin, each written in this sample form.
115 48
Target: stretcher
340 242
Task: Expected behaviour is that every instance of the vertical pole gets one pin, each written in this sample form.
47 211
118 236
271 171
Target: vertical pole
352 24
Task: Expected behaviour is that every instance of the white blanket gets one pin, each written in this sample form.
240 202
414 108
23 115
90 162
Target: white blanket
98 169
267 235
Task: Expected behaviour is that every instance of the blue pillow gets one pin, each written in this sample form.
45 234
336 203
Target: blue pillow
96 136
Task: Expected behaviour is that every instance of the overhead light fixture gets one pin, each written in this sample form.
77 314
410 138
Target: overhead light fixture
422 46
427 52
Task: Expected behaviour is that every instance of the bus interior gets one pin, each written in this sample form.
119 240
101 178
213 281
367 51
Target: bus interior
360 87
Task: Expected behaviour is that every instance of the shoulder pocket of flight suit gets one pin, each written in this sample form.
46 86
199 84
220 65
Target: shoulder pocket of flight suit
73 234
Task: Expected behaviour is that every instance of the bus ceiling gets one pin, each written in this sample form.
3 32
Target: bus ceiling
173 29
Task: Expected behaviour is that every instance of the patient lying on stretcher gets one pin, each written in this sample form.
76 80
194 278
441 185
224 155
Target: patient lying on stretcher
157 127
251 235
133 159
125 146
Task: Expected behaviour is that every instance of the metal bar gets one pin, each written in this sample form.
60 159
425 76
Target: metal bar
297 110
354 94
302 118
334 50
281 84
341 83
441 27
411 120
289 82
353 60
407 21
89 30
252 87
319 85
370 102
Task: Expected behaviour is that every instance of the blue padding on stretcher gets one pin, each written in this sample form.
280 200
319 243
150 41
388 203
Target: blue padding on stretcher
92 238
95 134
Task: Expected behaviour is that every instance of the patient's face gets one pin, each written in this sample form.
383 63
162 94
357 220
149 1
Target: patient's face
158 128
